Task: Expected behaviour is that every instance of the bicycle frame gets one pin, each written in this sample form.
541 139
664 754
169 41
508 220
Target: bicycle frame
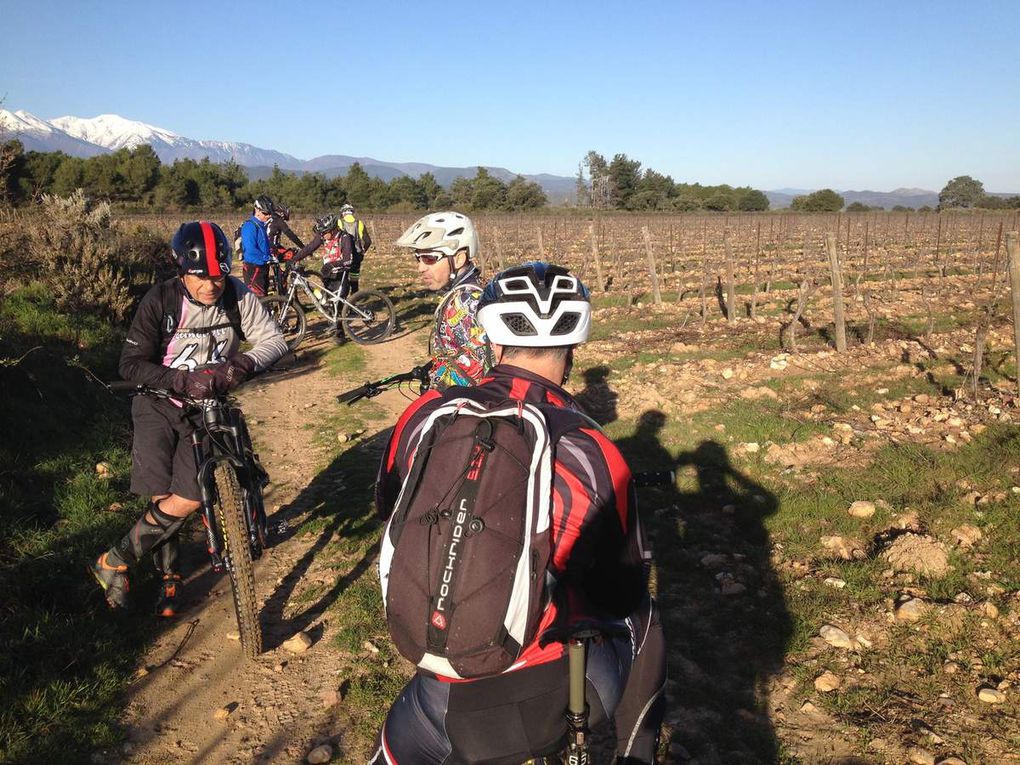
332 301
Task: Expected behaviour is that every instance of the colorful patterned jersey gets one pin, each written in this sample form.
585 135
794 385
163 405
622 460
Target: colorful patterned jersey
460 350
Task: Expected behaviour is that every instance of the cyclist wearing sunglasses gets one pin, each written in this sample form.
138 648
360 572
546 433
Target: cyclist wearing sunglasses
445 245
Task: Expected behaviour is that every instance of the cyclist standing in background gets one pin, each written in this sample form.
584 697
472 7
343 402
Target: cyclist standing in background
184 337
445 244
278 226
256 247
337 257
362 241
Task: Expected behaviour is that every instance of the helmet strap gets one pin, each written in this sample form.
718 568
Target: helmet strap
568 368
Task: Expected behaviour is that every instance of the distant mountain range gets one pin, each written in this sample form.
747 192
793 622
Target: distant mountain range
109 132
888 199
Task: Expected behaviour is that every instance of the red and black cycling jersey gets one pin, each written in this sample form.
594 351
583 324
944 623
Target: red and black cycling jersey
599 558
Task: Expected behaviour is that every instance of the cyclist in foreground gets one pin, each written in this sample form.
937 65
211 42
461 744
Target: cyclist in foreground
445 245
598 555
184 338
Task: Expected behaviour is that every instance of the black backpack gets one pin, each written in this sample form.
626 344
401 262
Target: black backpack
170 298
464 556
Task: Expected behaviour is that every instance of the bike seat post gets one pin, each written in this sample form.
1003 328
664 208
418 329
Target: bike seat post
576 650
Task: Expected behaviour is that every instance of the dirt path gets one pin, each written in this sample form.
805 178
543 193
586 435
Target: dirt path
280 704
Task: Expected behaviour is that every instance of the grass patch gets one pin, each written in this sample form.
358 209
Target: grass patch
64 657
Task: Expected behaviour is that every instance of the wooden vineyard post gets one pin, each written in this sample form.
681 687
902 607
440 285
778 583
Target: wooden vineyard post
541 244
1013 253
595 258
837 292
652 272
757 262
731 289
702 285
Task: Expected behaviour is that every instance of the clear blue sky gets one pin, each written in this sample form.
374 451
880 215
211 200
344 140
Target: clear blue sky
850 95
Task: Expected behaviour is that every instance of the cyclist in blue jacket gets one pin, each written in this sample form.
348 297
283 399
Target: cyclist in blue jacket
256 247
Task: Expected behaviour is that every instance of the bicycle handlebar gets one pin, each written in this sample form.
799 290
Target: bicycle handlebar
372 389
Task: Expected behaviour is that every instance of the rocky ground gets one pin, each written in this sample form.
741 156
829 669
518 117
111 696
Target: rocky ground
835 564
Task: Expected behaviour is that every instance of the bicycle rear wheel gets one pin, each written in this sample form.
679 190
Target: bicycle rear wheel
289 317
368 317
237 554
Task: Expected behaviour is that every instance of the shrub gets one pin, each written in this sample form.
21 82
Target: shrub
73 249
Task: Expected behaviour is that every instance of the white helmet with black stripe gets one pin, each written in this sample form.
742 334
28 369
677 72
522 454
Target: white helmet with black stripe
535 305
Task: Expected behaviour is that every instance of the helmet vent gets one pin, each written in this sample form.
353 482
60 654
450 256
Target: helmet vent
456 232
566 324
519 324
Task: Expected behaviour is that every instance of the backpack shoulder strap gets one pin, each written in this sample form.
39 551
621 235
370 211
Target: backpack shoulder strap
171 302
232 309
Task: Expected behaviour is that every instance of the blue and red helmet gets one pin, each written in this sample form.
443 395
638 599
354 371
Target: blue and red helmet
202 249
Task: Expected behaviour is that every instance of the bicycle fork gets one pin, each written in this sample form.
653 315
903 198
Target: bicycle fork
212 541
577 752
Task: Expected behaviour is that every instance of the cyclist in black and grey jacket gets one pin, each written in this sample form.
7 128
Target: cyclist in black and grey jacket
184 337
277 228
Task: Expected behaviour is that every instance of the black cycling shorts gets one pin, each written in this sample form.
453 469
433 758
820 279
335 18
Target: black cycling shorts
162 460
256 278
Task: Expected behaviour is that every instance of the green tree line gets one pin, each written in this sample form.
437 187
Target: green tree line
621 184
137 177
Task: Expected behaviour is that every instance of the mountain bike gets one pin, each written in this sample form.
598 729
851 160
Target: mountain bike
231 479
419 375
368 317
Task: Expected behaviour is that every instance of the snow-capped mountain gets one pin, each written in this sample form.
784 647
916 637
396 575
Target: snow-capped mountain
38 135
115 132
110 132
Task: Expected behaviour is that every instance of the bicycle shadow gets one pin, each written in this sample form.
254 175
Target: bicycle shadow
723 606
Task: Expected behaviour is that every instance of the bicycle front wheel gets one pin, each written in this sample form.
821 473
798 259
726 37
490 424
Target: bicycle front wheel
368 317
289 317
237 549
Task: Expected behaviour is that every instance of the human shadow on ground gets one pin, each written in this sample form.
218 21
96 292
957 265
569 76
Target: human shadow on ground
336 509
598 399
724 611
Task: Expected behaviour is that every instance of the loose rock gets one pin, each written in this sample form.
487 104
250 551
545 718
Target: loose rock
991 696
223 712
862 509
844 548
912 610
836 637
827 682
300 643
920 756
320 754
966 535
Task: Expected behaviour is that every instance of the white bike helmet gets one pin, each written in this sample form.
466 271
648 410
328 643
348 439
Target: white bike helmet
445 232
536 305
